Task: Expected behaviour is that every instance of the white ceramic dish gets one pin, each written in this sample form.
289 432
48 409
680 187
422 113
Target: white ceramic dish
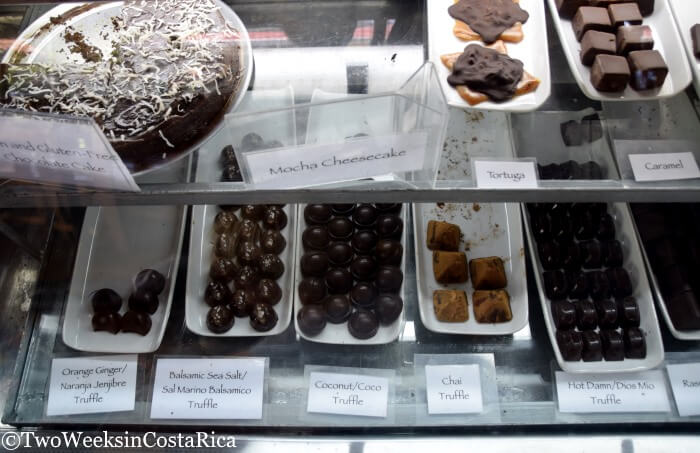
533 51
634 265
686 13
666 41
494 229
338 333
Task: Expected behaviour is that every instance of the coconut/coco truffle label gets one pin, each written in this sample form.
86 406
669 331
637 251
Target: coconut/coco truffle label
453 389
348 394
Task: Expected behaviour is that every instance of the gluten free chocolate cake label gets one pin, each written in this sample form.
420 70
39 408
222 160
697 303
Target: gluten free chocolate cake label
208 389
88 385
500 174
685 382
664 166
57 150
348 394
453 389
630 392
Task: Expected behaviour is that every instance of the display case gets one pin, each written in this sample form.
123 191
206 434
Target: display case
292 243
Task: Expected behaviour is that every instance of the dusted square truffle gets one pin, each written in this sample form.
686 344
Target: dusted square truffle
624 14
443 236
590 18
488 273
595 43
695 36
492 306
648 68
610 73
450 267
634 37
567 8
450 305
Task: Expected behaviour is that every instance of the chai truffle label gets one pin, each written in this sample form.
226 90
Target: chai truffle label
208 389
629 392
453 389
88 385
685 382
348 394
500 174
664 166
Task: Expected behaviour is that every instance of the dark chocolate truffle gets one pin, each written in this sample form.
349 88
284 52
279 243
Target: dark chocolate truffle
106 300
338 308
389 279
340 254
598 285
262 317
271 266
363 294
338 280
315 237
388 308
242 302
586 315
314 264
225 246
541 225
248 252
317 214
106 322
578 285
311 319
144 301
220 319
136 322
150 280
363 268
591 254
612 253
248 230
564 314
312 290
620 284
586 225
224 222
217 293
363 324
340 229
364 215
343 209
607 313
388 251
562 226
253 212
613 348
635 343
606 228
222 270
628 312
272 241
364 242
592 349
570 255
389 226
555 285
274 218
247 277
268 291
570 345
549 255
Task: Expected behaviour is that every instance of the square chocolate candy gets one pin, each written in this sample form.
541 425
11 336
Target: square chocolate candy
624 14
634 37
567 8
648 68
590 18
610 73
594 43
695 36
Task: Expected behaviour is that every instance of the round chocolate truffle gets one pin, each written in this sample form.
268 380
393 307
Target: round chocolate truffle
144 301
343 209
340 254
272 241
220 319
225 246
268 291
252 141
106 300
150 280
389 278
271 266
393 208
363 324
389 226
311 319
253 212
364 215
315 237
312 290
363 268
363 294
136 322
388 308
222 270
274 218
317 214
364 242
340 229
314 264
217 293
247 277
338 280
242 302
388 252
248 252
338 308
224 221
262 317
106 322
248 230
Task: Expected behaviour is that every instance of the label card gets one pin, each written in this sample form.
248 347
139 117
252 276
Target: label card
60 150
318 164
348 394
664 166
89 385
453 389
502 174
685 382
630 392
208 389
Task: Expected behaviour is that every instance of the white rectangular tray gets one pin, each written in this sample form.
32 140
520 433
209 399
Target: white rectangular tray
633 263
666 41
338 333
687 13
492 230
533 51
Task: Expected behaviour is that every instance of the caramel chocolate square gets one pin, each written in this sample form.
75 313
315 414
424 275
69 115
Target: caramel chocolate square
624 14
610 73
634 37
488 273
443 236
567 8
450 305
492 306
595 43
695 36
648 68
450 267
590 18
